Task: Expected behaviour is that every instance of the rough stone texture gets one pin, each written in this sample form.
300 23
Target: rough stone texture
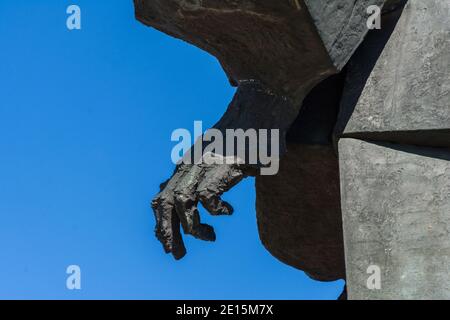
342 25
263 40
288 48
399 79
396 214
396 197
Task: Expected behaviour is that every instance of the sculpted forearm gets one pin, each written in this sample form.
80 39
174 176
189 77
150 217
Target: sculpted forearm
254 109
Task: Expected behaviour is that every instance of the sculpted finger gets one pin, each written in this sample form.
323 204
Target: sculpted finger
186 208
214 204
167 228
217 181
178 248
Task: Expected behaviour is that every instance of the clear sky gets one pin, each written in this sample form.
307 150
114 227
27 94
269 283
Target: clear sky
85 124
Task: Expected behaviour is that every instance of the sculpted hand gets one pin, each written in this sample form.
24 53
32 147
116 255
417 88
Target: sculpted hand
253 107
179 197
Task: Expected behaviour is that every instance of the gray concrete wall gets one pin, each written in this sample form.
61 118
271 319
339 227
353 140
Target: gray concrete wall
400 79
396 215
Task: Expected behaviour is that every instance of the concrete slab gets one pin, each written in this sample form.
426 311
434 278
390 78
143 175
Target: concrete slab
396 215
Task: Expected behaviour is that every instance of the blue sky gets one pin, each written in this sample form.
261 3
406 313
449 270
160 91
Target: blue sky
85 124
